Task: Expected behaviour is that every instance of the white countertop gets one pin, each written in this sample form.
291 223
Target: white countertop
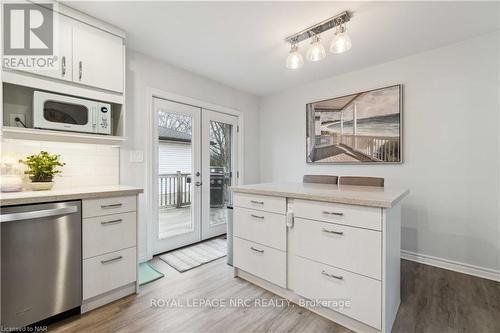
383 197
90 192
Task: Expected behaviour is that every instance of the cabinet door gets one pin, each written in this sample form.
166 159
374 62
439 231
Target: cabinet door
62 50
97 58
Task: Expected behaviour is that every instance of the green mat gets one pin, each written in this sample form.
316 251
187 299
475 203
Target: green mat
148 273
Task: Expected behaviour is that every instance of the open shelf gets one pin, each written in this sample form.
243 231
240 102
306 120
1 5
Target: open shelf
9 132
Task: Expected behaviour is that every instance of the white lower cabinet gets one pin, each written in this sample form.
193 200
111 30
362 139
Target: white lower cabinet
109 271
109 246
354 295
262 261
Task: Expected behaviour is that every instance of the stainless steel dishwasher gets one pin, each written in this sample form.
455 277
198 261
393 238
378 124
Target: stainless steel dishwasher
41 267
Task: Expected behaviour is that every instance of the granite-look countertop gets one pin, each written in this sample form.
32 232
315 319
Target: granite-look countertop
382 197
90 192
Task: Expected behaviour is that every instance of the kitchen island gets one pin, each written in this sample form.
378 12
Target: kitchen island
332 249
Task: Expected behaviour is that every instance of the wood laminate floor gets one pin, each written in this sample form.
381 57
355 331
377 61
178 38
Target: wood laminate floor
433 300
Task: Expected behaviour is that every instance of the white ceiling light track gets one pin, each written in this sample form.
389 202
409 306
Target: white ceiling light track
316 52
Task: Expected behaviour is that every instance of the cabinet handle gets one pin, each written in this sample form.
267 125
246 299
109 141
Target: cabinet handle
257 202
116 205
111 222
256 250
80 70
338 277
332 232
333 213
63 65
110 260
257 216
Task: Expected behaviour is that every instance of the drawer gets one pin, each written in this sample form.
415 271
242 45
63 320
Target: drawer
107 272
259 260
357 216
260 202
320 282
104 234
353 249
260 227
107 206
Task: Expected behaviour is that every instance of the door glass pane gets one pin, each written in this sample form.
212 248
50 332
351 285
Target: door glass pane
66 113
174 174
220 146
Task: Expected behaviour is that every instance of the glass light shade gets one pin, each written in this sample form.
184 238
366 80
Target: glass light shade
294 59
316 51
341 42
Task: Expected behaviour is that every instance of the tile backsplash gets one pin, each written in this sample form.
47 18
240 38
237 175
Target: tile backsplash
86 164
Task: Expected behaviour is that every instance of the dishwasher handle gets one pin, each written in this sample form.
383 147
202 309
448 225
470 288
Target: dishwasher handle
38 214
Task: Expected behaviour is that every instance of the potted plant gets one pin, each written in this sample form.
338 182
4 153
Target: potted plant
41 170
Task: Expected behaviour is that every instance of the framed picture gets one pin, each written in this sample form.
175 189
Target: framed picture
361 128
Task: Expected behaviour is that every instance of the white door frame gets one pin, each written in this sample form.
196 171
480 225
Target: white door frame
149 186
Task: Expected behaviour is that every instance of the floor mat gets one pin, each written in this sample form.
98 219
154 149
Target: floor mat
196 255
148 273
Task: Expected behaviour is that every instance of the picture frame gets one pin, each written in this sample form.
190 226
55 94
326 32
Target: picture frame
359 128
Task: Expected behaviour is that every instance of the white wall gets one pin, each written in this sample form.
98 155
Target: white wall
144 72
451 145
86 164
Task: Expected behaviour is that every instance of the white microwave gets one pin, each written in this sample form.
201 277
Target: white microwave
64 113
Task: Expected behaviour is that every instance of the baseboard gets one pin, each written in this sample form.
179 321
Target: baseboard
485 273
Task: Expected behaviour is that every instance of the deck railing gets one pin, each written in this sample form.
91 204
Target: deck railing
174 189
383 148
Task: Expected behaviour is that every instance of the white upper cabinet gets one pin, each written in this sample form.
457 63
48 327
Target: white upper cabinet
62 51
97 58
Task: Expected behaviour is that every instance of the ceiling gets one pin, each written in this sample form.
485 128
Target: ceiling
241 44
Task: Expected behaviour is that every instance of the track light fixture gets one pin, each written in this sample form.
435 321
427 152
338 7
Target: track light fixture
294 59
341 41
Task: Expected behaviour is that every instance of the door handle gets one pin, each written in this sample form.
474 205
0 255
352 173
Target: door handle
338 277
63 65
111 222
110 260
80 70
333 232
116 205
198 184
38 214
333 213
256 250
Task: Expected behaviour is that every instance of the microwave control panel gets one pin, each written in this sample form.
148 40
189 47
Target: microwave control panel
103 121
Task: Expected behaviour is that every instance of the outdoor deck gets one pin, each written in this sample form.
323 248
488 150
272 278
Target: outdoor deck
175 221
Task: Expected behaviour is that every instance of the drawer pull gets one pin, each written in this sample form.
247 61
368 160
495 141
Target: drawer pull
338 277
111 260
111 222
257 216
256 250
332 232
116 205
257 202
333 213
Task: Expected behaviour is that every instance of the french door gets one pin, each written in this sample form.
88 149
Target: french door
195 161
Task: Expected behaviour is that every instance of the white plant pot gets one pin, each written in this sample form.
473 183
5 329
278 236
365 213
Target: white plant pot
41 186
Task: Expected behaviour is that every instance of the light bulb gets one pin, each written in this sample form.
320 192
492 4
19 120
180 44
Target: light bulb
316 51
341 42
294 59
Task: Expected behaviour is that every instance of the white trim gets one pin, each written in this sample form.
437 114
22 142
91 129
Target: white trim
148 188
485 273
